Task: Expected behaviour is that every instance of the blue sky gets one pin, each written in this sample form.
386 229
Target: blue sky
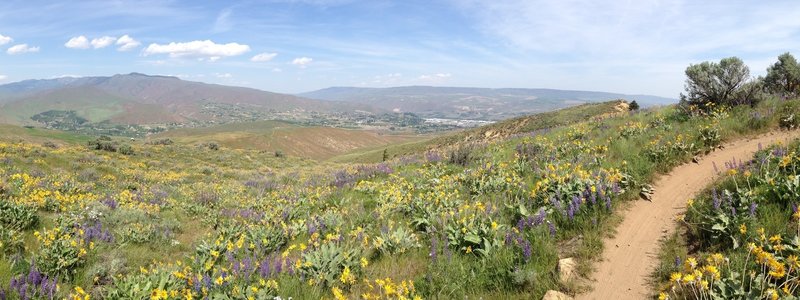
301 45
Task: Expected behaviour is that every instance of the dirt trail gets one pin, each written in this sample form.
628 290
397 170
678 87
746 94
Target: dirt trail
631 255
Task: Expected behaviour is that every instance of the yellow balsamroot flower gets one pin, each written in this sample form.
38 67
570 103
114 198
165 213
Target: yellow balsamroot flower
347 277
364 262
690 264
690 202
743 229
337 294
663 296
675 277
688 278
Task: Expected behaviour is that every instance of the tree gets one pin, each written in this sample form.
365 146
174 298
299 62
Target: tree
385 155
783 77
717 83
633 106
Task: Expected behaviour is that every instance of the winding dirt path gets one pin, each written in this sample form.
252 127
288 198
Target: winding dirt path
631 255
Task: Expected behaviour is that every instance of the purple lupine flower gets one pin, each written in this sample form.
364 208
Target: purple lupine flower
207 281
539 217
716 199
552 229
678 261
433 248
571 211
526 250
753 207
608 202
263 268
278 265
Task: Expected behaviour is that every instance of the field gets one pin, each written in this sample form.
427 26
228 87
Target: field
488 217
304 141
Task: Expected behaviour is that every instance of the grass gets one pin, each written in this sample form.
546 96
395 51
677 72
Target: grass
754 229
471 228
319 143
502 129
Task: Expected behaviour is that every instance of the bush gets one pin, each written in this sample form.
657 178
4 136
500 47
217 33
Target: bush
723 83
162 142
461 155
788 115
18 217
125 149
633 106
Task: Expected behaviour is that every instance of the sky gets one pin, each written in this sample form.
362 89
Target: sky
292 46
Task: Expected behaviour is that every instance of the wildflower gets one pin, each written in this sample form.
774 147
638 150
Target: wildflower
675 277
337 294
743 229
663 296
690 202
688 278
347 277
690 264
364 262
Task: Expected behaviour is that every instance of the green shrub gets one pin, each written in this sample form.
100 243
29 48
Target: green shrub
17 217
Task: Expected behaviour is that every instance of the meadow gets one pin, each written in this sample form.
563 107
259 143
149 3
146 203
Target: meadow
489 217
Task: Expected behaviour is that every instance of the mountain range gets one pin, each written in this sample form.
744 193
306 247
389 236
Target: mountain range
473 103
141 99
137 98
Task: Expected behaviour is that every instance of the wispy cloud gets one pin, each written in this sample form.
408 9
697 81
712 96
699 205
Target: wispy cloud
199 49
223 22
3 77
636 29
262 57
78 42
21 49
5 40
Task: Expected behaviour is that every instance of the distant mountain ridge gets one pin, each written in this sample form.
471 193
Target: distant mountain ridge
137 98
478 103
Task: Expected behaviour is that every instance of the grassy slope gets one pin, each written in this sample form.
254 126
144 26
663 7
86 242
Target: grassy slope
456 274
494 131
92 104
38 135
310 142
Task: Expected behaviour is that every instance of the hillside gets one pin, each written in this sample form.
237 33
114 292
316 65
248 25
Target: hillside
473 103
303 141
496 220
497 131
142 99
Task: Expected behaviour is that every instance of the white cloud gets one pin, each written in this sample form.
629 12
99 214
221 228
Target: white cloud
437 76
263 57
223 75
126 43
103 42
302 61
5 39
277 70
3 77
22 48
201 49
78 42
